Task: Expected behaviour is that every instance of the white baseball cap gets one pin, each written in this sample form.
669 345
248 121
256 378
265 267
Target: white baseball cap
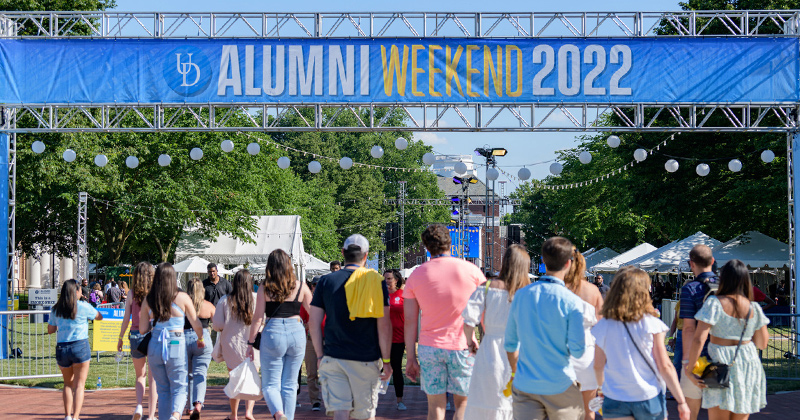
357 240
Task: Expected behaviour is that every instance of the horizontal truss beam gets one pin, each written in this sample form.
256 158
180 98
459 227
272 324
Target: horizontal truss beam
447 202
44 24
418 117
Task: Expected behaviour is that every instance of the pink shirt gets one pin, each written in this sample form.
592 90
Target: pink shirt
442 287
135 308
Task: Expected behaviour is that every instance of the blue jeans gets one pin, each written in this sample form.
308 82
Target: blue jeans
170 374
283 347
198 360
678 353
652 409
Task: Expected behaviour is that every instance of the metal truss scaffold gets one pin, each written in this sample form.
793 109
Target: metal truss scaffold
426 117
97 24
448 202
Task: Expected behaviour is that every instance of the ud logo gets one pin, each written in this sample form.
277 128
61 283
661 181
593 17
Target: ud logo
187 67
187 71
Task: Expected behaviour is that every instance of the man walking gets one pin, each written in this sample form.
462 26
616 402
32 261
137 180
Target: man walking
335 266
215 286
354 302
85 290
114 293
545 328
310 358
440 289
693 295
602 286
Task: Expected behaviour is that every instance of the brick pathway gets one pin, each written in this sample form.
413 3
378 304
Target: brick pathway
34 404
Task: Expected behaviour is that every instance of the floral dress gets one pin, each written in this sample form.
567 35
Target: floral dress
748 385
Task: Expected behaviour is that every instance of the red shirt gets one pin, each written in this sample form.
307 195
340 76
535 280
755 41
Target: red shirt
397 316
758 295
304 316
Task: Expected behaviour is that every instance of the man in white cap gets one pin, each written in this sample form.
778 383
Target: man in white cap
356 350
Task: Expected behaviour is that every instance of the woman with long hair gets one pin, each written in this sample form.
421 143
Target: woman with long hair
166 354
592 306
490 305
631 362
123 285
394 282
233 318
141 282
727 317
96 297
70 318
283 341
198 357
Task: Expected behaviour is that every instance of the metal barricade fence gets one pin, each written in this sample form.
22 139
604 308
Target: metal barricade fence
31 351
781 359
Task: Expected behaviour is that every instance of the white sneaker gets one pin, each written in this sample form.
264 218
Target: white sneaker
401 406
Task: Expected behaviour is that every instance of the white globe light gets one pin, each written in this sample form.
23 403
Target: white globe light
613 142
346 163
703 169
524 174
164 160
253 148
132 162
314 167
428 158
101 160
283 162
767 156
37 147
492 174
460 168
376 152
556 168
585 157
196 153
401 143
227 146
735 165
640 155
69 155
671 165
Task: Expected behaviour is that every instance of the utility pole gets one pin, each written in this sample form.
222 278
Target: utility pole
402 224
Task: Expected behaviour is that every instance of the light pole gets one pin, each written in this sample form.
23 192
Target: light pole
491 175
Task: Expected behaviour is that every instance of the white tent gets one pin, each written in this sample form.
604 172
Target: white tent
615 263
672 257
192 265
599 256
315 266
755 249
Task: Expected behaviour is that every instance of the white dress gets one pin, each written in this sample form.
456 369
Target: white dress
584 366
491 371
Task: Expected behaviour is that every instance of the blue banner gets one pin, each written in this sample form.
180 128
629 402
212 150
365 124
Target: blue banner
424 70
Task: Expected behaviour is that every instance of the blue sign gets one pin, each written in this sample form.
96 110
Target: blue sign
470 241
404 70
112 314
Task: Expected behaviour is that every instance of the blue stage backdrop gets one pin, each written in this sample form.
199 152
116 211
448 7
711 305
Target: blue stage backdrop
406 70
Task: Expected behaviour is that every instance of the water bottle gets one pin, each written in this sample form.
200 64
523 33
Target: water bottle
384 386
596 405
99 383
119 356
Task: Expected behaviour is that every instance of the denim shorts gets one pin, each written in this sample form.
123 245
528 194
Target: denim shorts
72 352
652 409
135 339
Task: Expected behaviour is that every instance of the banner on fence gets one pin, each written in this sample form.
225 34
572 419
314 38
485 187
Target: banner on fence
404 70
106 332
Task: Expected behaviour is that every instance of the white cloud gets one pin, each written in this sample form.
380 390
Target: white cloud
431 138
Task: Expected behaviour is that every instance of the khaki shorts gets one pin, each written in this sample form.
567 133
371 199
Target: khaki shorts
349 385
690 390
567 405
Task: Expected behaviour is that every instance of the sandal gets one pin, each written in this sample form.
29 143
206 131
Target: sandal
195 415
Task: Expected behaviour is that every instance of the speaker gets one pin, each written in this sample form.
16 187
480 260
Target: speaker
392 237
514 234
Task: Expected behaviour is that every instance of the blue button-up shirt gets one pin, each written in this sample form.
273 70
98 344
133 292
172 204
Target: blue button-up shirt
546 326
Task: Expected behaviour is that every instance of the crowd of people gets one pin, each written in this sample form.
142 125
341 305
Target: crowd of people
557 348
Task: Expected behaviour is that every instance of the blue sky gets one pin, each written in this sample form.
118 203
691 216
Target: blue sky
523 148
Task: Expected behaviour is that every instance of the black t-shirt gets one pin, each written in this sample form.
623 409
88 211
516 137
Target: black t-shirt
215 292
345 339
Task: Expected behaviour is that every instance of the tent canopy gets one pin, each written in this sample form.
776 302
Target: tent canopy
755 249
197 265
672 257
272 232
599 256
615 263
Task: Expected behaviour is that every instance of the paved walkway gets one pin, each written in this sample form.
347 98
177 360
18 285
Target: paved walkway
34 403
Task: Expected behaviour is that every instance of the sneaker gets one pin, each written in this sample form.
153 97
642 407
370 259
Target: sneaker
298 405
401 406
316 407
448 406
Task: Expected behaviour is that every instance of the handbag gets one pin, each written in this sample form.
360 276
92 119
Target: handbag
641 353
142 347
216 352
244 382
717 375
